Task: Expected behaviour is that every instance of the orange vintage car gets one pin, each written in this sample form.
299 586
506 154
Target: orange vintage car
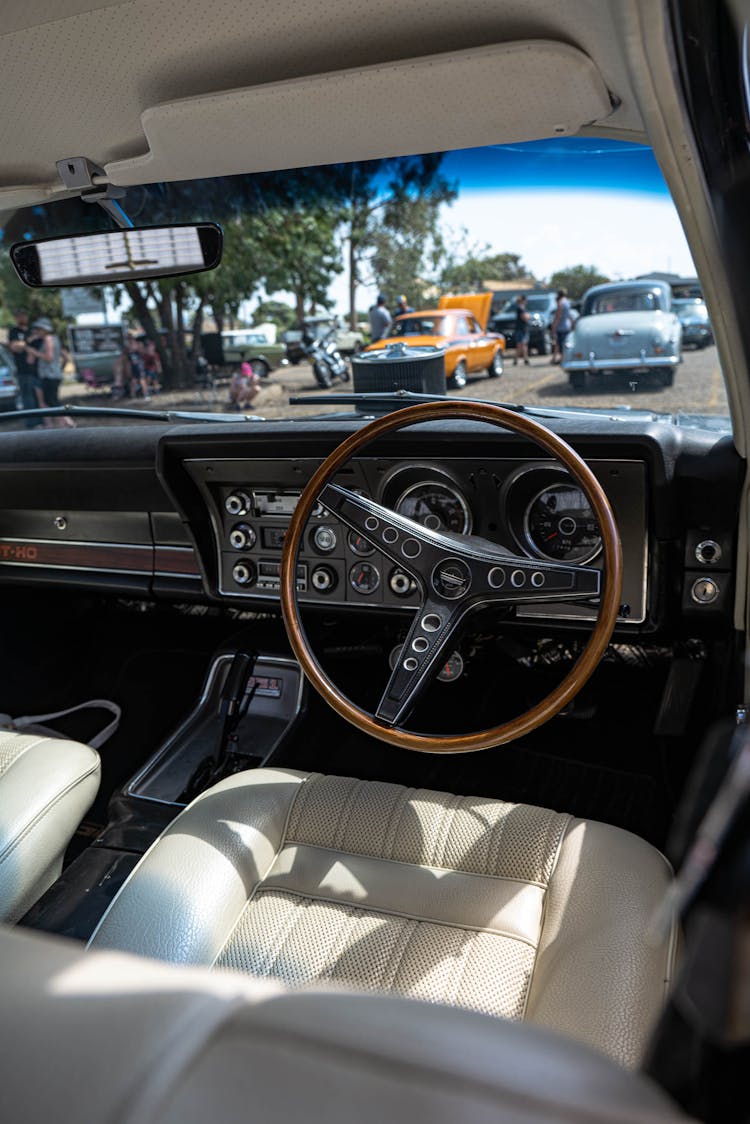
458 324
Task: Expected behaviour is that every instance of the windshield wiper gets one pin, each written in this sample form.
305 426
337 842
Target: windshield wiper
384 401
125 412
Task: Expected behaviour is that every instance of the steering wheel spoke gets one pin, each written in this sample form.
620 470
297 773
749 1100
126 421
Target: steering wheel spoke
518 580
430 637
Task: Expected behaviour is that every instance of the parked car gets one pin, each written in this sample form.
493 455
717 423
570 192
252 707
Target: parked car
244 343
541 307
696 325
458 326
626 326
10 392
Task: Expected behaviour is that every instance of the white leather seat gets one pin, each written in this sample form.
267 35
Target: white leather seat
46 787
504 909
92 1037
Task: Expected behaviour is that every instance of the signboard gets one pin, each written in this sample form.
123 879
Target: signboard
94 339
79 300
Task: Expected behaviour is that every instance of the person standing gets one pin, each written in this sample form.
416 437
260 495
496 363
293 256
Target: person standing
152 365
402 307
521 331
380 319
18 337
45 346
561 325
134 367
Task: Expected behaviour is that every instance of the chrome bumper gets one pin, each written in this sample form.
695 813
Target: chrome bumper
641 362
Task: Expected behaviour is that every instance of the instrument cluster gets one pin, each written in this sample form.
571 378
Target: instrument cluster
534 509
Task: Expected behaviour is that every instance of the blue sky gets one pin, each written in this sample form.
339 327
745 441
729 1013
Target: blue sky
567 163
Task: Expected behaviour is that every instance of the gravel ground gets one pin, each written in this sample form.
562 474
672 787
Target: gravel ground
698 388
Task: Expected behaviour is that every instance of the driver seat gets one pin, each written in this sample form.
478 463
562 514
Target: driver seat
509 910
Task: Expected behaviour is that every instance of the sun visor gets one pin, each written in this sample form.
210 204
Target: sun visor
517 91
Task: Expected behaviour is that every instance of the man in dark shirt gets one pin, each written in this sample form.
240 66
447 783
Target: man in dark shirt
25 363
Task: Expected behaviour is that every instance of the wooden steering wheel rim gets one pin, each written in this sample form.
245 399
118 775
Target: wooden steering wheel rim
589 657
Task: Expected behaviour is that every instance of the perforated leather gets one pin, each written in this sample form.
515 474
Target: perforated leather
46 787
505 909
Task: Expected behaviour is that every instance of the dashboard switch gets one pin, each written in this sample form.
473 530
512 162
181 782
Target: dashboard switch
237 503
323 579
244 572
242 536
708 552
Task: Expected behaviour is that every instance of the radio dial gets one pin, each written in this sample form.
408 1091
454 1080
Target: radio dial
237 503
244 572
242 536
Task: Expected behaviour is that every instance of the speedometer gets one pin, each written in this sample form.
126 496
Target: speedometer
437 506
560 525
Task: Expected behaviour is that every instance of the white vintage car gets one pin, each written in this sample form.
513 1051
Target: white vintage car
627 327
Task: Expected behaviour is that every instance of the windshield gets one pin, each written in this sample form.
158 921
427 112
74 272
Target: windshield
319 263
419 326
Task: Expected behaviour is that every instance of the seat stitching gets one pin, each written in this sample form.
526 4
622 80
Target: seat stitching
346 812
543 919
391 832
448 821
409 931
24 749
274 951
346 927
415 917
13 843
558 848
460 972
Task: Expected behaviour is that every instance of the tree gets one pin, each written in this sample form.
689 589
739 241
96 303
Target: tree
577 279
390 209
469 274
275 312
296 250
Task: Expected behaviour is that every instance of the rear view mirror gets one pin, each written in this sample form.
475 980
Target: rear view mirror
110 256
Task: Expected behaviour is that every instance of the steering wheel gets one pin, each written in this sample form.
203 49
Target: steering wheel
457 574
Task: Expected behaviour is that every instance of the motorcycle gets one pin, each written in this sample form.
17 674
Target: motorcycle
327 362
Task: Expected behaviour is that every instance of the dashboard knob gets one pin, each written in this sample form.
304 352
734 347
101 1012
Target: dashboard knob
244 572
242 536
324 539
708 552
323 578
237 503
400 583
704 591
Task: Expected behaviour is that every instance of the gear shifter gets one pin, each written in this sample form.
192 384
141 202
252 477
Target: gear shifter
233 704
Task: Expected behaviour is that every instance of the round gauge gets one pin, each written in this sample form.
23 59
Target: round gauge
364 578
358 544
437 506
452 669
560 525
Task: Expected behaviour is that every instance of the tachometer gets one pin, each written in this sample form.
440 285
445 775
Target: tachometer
560 525
437 506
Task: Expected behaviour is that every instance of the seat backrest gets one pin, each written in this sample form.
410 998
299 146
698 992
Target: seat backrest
95 1036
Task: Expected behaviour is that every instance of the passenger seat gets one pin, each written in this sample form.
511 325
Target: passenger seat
46 787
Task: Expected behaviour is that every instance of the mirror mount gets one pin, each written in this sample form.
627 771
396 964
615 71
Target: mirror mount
78 172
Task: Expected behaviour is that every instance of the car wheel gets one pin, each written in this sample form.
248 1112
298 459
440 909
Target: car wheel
577 379
260 368
458 378
545 344
664 376
495 368
322 374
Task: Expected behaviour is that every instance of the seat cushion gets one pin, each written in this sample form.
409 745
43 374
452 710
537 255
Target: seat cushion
505 909
46 787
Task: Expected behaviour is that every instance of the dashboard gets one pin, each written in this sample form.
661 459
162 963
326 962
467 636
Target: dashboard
198 513
532 508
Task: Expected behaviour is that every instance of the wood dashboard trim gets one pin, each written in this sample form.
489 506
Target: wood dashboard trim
115 558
